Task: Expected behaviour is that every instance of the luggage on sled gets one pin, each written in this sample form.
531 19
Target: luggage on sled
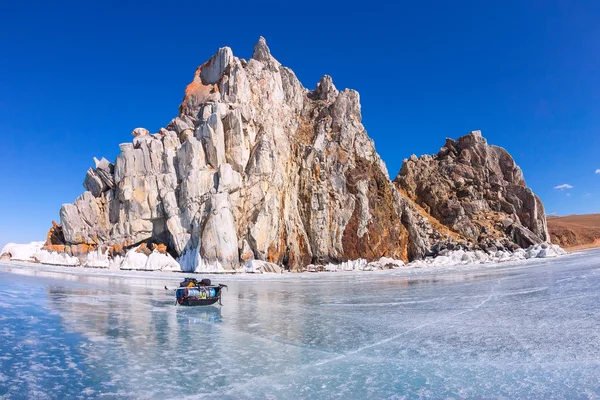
192 292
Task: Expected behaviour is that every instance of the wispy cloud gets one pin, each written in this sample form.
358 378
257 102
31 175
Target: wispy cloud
563 186
598 171
568 194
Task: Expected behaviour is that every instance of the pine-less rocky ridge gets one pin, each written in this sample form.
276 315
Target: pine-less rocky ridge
258 173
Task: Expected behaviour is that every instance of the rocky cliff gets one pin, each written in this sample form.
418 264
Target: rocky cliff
257 167
477 191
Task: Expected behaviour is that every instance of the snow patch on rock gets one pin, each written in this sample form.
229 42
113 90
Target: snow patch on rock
97 259
192 261
134 260
359 265
387 263
54 258
156 261
115 262
545 250
260 267
21 252
461 257
350 265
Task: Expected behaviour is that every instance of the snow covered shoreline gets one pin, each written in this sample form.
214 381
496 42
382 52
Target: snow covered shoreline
157 280
136 260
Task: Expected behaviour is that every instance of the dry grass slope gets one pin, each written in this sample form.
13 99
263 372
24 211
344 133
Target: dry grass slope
575 232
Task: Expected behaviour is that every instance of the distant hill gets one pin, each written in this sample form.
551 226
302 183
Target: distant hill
575 231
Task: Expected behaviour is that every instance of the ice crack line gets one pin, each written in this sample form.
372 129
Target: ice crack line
294 371
384 341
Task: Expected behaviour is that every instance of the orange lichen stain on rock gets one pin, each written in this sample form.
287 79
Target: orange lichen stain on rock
58 248
247 256
119 249
144 249
197 92
159 247
79 239
192 87
274 252
81 249
300 259
317 171
404 245
116 249
54 235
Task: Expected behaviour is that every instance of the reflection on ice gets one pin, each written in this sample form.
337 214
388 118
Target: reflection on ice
510 331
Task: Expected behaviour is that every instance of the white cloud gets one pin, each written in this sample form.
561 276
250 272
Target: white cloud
563 186
568 194
598 171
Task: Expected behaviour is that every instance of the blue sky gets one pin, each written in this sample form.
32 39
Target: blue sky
77 77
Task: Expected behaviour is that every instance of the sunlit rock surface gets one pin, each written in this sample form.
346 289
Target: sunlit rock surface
478 191
257 167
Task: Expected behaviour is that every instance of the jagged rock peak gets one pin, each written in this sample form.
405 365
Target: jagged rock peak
262 53
478 191
325 90
261 50
212 70
140 132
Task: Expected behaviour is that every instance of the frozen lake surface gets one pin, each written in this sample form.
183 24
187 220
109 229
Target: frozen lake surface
508 331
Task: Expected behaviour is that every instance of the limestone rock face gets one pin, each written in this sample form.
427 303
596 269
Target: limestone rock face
257 167
254 167
477 191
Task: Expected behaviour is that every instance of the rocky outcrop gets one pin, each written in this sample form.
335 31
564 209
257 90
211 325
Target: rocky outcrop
477 191
257 167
